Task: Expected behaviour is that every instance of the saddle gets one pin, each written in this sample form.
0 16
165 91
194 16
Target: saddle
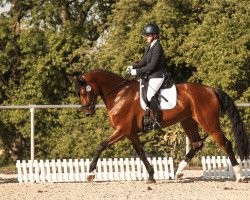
167 98
166 95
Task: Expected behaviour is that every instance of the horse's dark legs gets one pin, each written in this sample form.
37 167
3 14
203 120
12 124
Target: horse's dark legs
191 128
226 146
212 126
115 137
141 153
102 146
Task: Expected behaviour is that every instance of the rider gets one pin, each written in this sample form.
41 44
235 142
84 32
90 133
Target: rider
150 68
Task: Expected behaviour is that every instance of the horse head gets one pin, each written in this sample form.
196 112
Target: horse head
87 93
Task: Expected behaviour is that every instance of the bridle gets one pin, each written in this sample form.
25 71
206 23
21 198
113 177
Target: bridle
92 103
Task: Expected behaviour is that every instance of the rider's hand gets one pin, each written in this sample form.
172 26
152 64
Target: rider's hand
133 72
129 68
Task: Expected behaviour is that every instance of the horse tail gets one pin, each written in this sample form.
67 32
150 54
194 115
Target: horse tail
228 107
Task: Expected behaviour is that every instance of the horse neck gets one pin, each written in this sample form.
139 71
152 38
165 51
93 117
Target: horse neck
106 83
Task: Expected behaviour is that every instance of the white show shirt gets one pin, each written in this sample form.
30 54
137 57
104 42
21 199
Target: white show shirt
152 44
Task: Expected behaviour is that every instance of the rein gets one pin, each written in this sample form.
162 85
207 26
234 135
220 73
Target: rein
119 85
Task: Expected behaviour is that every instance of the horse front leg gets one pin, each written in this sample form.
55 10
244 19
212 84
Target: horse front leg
141 153
102 146
115 137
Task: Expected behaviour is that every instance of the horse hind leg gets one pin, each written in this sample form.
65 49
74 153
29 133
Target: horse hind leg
226 146
191 128
216 133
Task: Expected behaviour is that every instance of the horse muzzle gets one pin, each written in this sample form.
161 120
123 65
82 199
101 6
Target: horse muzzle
90 113
89 109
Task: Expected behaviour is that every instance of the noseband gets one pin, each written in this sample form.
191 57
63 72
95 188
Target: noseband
89 106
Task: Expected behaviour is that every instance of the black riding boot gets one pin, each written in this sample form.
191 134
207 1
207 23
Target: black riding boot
156 111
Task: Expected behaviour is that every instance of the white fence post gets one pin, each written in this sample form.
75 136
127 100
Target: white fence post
77 175
32 134
82 171
53 167
116 168
59 169
25 175
110 170
139 169
42 171
122 171
19 171
71 170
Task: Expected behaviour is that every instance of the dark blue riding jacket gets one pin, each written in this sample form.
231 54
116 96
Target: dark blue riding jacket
152 63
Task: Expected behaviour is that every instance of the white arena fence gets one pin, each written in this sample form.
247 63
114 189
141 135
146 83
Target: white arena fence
117 169
220 167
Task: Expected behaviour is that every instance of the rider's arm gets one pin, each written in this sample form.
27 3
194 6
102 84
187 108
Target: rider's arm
140 64
156 57
143 62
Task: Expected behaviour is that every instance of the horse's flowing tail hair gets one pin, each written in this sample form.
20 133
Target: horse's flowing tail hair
228 107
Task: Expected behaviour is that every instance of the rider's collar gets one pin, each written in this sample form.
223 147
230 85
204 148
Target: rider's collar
152 43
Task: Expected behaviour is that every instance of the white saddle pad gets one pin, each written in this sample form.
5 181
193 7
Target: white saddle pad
170 94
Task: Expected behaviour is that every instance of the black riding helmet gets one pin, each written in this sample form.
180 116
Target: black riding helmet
151 29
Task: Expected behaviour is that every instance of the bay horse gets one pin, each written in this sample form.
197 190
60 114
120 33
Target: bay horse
197 105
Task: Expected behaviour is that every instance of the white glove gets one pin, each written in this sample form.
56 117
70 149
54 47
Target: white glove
129 68
133 72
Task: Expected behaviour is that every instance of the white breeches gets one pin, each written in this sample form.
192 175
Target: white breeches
153 86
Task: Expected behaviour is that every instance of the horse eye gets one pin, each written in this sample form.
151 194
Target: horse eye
83 94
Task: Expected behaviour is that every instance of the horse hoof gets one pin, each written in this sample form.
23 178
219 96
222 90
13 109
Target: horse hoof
90 178
179 176
149 181
241 180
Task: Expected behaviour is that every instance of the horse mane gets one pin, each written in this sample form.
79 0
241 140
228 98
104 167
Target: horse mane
112 74
106 72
